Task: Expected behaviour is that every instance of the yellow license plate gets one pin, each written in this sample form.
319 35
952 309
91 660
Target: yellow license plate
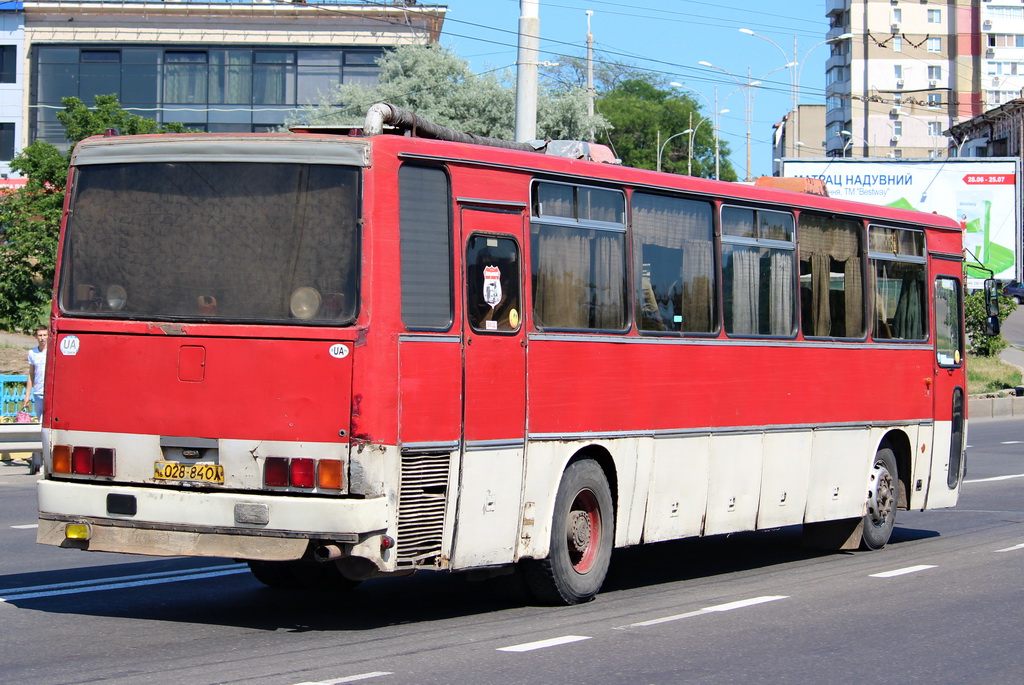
203 473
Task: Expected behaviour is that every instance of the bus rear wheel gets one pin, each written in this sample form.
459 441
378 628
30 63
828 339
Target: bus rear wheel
582 534
882 493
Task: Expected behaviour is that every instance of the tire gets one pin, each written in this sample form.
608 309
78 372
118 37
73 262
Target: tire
301 574
582 535
882 492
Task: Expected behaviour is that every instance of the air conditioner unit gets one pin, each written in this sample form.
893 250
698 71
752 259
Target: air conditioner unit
894 27
899 83
990 52
895 110
995 80
933 83
895 138
987 24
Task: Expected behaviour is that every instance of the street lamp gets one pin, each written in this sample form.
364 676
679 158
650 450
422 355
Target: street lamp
748 95
715 113
661 146
797 74
849 140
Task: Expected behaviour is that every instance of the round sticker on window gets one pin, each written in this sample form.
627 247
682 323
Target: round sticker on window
513 318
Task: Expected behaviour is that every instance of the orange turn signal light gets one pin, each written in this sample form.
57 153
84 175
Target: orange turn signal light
62 459
328 474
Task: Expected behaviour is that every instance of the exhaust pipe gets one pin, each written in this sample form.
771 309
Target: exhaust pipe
325 553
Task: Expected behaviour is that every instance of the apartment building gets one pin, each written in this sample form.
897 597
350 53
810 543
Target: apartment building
215 66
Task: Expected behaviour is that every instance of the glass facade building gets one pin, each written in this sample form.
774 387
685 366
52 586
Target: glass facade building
208 88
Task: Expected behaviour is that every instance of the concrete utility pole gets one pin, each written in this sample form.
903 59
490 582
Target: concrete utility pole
526 70
590 74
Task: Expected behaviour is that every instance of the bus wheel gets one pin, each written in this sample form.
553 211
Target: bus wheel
882 489
300 574
581 539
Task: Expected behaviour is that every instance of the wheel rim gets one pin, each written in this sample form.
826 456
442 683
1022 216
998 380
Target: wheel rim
583 531
880 494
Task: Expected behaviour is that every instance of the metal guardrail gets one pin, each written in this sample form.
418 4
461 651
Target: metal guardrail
20 437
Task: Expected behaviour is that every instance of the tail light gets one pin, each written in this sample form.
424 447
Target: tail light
303 472
83 461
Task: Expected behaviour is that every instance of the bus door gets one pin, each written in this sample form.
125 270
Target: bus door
494 384
948 389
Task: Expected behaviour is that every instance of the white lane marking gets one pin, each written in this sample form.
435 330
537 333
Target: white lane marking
541 644
1011 549
1012 442
348 679
26 526
995 478
712 609
901 571
13 594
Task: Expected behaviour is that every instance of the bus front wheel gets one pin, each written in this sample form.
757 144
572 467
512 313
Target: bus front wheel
582 534
882 492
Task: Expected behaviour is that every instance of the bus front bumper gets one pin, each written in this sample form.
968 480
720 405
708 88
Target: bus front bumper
164 522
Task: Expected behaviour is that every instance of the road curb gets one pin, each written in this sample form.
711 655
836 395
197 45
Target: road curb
981 408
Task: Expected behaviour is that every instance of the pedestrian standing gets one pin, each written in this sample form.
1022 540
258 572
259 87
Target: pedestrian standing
34 387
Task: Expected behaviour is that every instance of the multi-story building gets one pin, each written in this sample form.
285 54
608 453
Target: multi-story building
217 66
911 71
799 135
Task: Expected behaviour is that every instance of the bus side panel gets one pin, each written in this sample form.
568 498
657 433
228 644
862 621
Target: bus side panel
679 488
838 478
939 493
734 483
430 382
786 468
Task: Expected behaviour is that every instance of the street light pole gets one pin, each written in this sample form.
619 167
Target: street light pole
715 112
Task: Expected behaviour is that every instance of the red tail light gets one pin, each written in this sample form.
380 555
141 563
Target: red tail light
103 461
303 473
81 460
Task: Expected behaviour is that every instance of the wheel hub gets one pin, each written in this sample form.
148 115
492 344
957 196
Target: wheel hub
579 530
880 494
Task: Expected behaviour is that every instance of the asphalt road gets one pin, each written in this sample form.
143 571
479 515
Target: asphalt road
942 603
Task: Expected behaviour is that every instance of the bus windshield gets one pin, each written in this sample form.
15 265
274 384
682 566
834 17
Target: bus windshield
226 241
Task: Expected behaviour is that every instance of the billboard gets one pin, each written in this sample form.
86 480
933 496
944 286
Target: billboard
982 193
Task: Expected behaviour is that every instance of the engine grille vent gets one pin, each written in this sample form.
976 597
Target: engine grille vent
421 508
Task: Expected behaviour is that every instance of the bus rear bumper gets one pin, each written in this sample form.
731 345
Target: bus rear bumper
182 523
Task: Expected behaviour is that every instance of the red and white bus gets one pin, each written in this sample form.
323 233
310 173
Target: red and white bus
343 356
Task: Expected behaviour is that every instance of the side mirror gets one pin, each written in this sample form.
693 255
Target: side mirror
992 299
992 325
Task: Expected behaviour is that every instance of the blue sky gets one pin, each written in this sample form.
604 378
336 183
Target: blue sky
670 38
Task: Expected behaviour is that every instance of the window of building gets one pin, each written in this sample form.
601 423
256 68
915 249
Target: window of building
318 73
758 269
934 16
934 72
897 43
897 154
8 63
897 15
897 70
897 128
185 77
934 128
361 67
425 245
1006 12
934 45
6 141
578 243
898 272
230 77
675 267
273 76
831 276
1005 40
934 99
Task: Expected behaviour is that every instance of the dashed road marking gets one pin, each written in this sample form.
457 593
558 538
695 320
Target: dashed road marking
26 526
995 478
901 571
710 610
1011 549
541 644
348 679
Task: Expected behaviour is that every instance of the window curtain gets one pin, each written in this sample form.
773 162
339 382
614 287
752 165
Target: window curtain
781 295
823 240
609 281
562 266
746 289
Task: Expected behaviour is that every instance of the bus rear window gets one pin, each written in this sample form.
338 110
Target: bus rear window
255 242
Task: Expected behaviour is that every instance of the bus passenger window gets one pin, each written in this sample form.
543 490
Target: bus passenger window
831 276
758 272
900 298
675 254
492 284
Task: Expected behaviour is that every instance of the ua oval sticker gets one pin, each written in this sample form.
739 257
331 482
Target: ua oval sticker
69 345
339 350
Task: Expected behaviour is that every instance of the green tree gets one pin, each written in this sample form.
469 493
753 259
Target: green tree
30 216
639 109
979 342
433 82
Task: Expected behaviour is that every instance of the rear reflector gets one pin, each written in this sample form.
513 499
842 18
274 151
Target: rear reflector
275 472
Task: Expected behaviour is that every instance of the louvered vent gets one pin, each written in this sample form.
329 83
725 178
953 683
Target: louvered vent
421 508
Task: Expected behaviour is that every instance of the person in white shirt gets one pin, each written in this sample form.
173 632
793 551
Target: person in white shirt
36 373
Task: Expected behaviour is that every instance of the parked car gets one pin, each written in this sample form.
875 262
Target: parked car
1015 290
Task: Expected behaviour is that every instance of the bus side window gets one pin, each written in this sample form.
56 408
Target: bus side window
493 301
831 276
898 270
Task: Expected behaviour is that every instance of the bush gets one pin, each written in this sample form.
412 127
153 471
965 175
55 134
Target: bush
979 343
